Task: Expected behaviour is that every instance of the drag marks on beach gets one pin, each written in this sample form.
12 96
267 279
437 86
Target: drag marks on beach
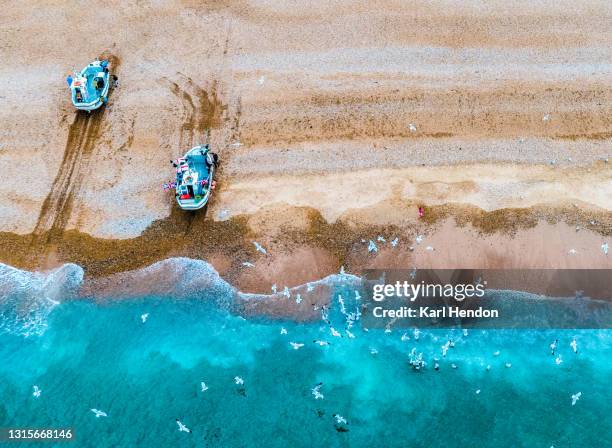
83 134
201 110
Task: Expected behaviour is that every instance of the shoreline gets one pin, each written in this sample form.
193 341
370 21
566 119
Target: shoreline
302 246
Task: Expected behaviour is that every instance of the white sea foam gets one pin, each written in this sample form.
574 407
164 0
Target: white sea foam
27 298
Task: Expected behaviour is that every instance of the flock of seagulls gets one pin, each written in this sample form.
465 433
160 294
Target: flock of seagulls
415 358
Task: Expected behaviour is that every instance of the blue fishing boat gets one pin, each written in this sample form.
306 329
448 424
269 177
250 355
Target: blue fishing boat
194 177
89 88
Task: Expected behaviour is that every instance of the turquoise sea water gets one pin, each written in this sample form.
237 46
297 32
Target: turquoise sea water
146 375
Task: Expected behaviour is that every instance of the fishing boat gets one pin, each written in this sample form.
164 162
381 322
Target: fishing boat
89 88
194 177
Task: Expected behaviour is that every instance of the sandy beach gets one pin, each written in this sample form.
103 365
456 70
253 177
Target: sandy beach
334 122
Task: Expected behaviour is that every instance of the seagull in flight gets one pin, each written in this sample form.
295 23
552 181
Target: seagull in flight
182 427
247 264
203 386
296 345
144 317
334 332
553 347
238 380
283 330
36 392
309 287
575 398
574 345
340 419
99 413
558 360
260 248
321 343
316 392
604 248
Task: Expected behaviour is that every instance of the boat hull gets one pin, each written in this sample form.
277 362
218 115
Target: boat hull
194 203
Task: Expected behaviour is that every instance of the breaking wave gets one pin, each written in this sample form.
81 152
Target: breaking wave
27 298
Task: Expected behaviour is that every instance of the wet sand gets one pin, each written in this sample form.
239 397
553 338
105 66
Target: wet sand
332 129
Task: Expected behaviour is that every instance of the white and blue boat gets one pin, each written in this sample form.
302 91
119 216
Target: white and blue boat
89 88
194 177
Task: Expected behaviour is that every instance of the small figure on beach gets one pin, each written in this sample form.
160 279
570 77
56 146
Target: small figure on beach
421 212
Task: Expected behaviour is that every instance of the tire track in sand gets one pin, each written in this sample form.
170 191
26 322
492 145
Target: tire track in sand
82 136
202 111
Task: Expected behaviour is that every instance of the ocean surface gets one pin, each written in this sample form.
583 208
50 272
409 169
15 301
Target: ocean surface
506 389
